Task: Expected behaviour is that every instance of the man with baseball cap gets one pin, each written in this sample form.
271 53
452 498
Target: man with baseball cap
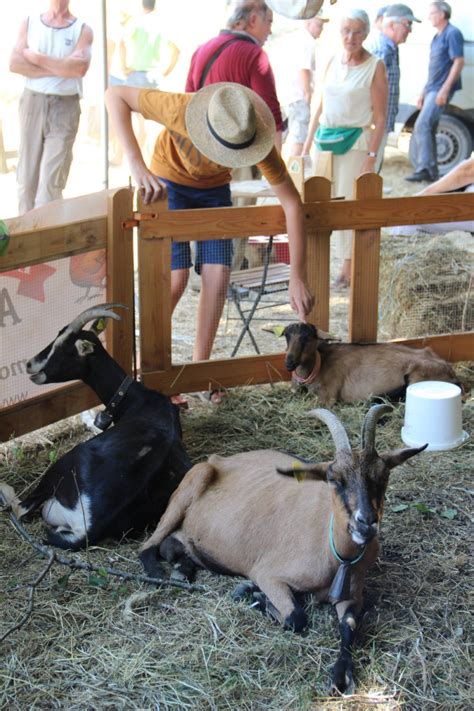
396 26
222 126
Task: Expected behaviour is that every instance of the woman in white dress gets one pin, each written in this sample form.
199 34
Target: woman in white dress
350 118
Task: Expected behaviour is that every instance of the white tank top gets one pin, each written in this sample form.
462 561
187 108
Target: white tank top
346 94
57 42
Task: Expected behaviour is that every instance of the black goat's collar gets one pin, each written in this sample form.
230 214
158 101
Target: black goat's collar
104 418
340 589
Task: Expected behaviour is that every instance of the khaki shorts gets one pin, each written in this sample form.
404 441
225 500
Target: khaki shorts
298 115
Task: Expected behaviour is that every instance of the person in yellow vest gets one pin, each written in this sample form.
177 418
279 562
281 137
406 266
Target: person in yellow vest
147 55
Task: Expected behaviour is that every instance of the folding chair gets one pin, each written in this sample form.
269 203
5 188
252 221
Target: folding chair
255 283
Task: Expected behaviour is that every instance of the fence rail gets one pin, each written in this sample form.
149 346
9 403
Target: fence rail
104 220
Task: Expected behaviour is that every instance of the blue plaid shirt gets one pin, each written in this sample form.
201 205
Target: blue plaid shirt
387 50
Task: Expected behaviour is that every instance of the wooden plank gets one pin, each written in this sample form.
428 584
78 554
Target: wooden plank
210 374
257 271
154 265
216 223
46 244
275 276
45 409
60 212
364 293
371 213
453 347
318 249
120 275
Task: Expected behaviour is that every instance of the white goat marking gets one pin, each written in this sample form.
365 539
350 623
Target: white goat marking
144 451
75 522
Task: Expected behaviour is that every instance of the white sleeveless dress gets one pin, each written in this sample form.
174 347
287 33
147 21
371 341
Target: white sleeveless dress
347 103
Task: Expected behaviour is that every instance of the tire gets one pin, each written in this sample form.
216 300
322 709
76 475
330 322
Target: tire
453 141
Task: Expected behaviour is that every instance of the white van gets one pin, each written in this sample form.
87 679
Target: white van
455 137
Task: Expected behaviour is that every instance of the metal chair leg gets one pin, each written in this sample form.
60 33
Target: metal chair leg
261 290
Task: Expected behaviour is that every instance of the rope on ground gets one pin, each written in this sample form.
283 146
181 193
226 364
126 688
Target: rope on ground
53 556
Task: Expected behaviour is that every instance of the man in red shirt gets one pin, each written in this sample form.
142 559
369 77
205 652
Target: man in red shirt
236 55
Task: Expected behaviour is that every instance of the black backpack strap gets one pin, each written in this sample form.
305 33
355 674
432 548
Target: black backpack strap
217 54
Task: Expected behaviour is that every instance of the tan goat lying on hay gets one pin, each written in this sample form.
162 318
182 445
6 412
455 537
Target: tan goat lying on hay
350 372
236 515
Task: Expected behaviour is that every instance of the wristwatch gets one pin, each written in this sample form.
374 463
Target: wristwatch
372 154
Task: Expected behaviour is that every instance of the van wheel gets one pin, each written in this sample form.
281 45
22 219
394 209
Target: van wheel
453 141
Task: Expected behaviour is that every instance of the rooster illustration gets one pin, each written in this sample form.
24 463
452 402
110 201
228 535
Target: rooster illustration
88 271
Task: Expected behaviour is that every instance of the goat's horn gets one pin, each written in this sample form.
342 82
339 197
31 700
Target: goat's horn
368 427
99 311
336 428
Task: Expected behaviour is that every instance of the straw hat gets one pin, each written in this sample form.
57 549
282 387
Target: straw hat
230 124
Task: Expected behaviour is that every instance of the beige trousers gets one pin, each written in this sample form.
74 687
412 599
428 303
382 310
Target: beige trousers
345 170
48 128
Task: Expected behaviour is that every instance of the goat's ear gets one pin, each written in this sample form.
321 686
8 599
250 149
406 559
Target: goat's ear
398 456
84 347
301 472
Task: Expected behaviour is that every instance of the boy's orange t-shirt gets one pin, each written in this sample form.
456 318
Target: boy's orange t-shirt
175 156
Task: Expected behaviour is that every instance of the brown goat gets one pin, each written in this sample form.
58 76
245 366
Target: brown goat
237 516
350 372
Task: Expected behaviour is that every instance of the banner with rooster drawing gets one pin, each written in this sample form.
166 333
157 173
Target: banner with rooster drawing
35 303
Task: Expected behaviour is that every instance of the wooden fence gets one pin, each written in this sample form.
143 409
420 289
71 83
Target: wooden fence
61 230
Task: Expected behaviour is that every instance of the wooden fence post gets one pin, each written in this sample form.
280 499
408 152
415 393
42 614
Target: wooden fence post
120 275
318 189
364 296
154 268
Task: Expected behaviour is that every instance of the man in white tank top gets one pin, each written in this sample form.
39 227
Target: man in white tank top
53 52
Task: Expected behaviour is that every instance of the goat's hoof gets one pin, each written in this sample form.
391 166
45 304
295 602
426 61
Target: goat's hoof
184 574
243 591
342 680
297 621
153 569
259 601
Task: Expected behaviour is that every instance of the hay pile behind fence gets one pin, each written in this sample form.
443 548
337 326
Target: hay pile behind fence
426 285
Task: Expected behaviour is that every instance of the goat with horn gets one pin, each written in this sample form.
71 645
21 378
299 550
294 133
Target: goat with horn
122 479
237 516
350 372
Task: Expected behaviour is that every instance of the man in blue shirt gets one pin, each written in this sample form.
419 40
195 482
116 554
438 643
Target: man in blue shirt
444 78
396 26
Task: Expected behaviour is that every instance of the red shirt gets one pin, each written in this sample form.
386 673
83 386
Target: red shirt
243 62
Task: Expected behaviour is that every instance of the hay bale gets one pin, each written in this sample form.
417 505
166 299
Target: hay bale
426 284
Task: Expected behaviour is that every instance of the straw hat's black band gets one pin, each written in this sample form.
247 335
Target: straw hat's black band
226 144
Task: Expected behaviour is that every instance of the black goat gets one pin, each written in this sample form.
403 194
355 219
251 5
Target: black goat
122 479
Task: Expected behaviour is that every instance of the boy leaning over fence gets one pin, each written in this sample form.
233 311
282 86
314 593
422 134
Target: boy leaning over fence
220 127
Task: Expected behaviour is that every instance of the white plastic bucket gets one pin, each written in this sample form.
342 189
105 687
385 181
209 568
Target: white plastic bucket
433 414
